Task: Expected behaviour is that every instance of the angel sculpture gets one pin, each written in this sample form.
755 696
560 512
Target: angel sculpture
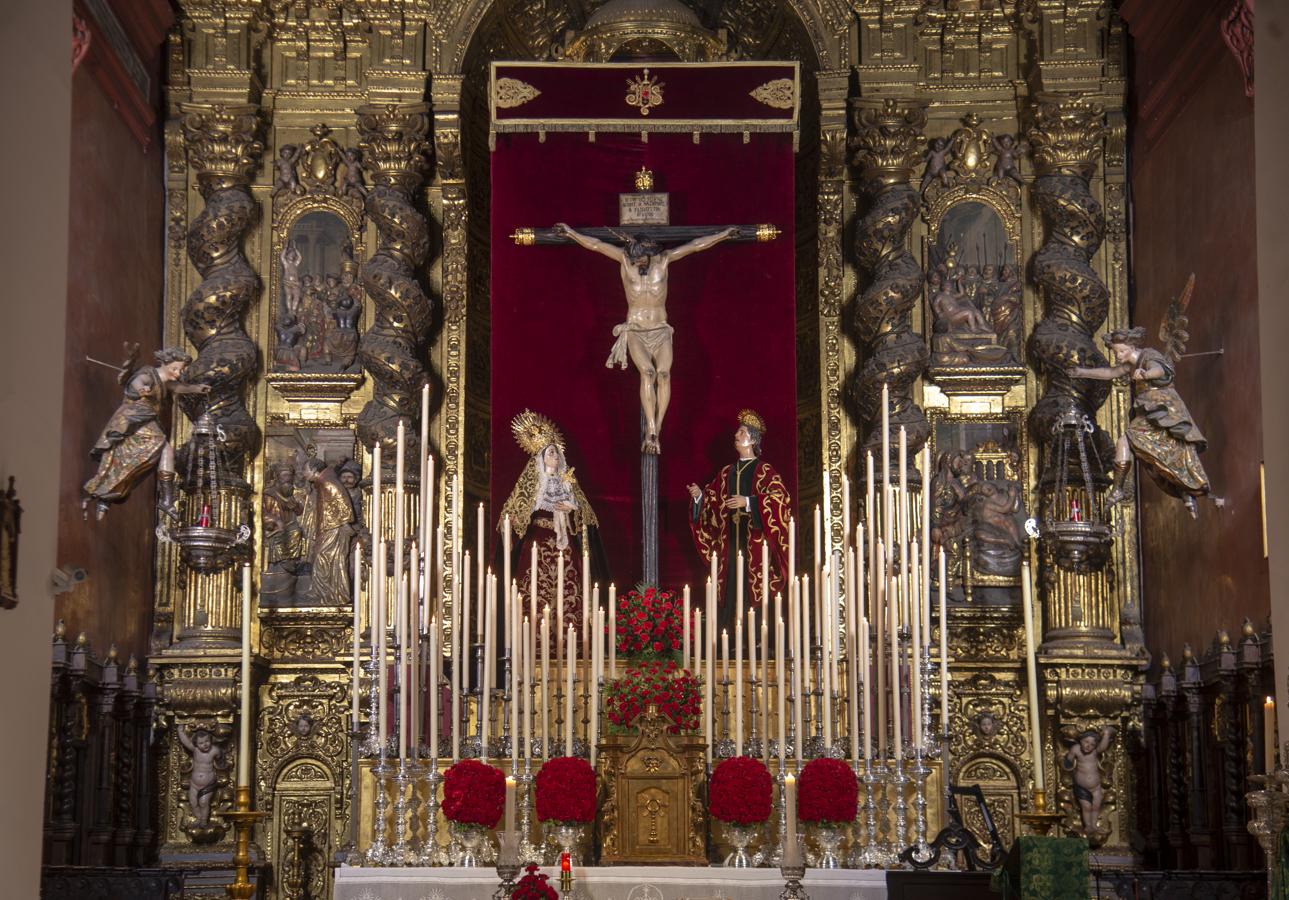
1161 433
133 443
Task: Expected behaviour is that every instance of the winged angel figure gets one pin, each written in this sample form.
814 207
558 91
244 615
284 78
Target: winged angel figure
1161 433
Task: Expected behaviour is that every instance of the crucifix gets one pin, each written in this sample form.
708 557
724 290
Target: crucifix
639 246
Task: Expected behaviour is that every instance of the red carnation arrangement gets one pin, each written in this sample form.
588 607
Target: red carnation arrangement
566 790
534 886
740 791
827 792
474 794
676 692
649 623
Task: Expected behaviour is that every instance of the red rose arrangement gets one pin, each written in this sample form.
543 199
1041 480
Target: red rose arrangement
566 790
534 886
827 792
676 692
474 794
649 623
740 791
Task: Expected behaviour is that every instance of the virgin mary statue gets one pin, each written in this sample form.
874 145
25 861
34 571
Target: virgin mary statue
551 517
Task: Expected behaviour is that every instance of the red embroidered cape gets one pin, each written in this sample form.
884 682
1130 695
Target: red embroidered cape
711 527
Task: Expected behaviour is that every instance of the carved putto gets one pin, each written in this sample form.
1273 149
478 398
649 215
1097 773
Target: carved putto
973 156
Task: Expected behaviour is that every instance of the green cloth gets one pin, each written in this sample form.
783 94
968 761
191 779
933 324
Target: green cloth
1044 868
1280 867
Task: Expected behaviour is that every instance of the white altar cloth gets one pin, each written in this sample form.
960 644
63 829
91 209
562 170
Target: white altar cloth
611 883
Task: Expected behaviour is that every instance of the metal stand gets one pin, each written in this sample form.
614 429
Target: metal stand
430 854
243 819
775 856
400 853
378 853
649 510
725 744
347 855
507 873
900 783
752 746
528 851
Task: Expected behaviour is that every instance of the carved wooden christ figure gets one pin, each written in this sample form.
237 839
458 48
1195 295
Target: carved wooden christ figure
645 336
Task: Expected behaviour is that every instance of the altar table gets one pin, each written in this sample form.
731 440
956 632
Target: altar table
611 883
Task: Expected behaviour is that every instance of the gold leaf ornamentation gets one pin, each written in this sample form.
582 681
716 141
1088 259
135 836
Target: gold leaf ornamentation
778 93
512 92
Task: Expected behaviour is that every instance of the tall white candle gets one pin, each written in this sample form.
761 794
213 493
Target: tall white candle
586 600
546 692
684 627
356 677
697 658
482 585
864 644
507 614
435 653
852 689
1031 676
488 616
560 649
508 818
400 471
738 657
570 665
764 597
383 647
516 686
414 653
404 689
798 679
597 661
944 649
377 529
709 642
527 685
827 513
765 681
458 667
897 704
915 650
792 550
613 631
791 848
779 665
926 547
466 604
533 602
845 508
244 715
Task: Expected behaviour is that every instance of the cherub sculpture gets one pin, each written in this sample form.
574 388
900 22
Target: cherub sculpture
937 164
1007 164
1161 433
203 781
285 178
354 186
1083 761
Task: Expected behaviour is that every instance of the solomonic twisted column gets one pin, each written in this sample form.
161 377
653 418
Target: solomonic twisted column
395 150
1066 136
888 147
224 149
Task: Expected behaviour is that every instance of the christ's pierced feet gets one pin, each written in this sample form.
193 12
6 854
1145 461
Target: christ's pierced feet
651 445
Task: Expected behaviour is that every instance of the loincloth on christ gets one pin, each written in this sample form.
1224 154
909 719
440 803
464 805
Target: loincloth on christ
654 338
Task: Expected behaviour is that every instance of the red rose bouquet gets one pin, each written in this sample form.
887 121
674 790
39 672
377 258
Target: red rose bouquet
566 790
474 794
649 623
827 792
740 791
676 692
534 886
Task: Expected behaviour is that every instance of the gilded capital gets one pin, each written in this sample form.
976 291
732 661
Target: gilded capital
394 142
1066 134
888 140
223 143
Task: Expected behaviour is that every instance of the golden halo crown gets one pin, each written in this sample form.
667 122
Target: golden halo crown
534 432
750 418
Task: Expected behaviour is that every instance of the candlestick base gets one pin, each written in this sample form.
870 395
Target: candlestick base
724 748
1038 819
792 889
506 872
243 820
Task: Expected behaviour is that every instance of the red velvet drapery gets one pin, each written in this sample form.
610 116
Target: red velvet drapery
554 308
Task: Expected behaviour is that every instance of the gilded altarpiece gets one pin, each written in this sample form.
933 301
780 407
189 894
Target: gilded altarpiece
253 86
